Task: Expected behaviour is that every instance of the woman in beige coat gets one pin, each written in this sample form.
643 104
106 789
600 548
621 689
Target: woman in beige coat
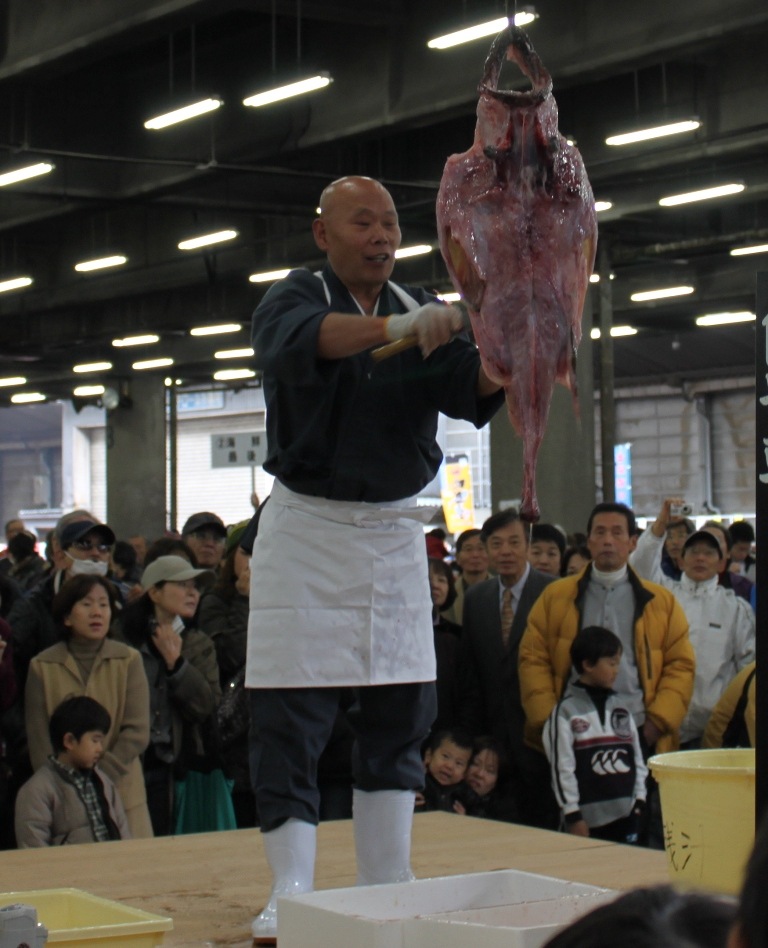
88 662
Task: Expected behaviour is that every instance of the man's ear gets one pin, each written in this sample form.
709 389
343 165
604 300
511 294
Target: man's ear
633 542
318 230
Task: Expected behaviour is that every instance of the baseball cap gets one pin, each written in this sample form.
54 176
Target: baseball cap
81 528
703 536
171 569
199 521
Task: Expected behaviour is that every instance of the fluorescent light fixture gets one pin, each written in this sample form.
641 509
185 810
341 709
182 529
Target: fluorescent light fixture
268 277
724 319
416 251
22 174
24 397
449 297
603 206
312 84
705 194
151 364
101 263
16 284
229 375
184 113
88 391
92 367
204 240
615 331
233 354
18 380
145 340
490 28
664 294
744 251
215 330
660 131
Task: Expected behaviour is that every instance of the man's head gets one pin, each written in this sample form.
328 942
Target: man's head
742 537
206 536
87 546
358 230
506 540
547 547
447 756
471 554
611 536
139 543
723 536
12 528
21 545
677 533
702 557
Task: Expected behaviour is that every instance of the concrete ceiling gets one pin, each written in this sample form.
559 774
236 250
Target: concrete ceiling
76 88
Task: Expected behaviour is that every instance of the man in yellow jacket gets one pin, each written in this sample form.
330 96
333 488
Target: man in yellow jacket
657 665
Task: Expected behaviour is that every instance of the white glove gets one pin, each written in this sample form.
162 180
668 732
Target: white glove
433 324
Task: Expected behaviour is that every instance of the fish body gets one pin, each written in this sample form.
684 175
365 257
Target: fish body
518 232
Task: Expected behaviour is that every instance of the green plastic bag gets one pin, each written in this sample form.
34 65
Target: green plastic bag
203 803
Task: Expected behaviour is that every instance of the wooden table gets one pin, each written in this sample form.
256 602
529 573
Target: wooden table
212 884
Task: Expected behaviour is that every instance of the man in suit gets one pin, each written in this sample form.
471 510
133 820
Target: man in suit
495 616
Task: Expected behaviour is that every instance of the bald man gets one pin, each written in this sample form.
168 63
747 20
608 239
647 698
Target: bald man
340 591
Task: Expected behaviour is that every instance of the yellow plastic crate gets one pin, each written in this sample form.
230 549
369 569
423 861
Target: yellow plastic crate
78 918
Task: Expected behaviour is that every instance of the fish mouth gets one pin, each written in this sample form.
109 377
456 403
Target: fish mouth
514 44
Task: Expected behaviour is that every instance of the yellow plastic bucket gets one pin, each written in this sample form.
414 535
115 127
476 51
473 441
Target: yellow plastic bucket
708 810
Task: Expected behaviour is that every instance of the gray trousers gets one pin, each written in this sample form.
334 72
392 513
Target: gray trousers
290 728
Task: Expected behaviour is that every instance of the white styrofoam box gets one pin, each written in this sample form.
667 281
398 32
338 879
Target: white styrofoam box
380 916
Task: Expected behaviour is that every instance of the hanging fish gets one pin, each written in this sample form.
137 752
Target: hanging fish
518 231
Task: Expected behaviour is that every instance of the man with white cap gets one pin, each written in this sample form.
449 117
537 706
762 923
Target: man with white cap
721 625
340 592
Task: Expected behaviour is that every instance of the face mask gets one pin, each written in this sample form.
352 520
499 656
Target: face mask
87 567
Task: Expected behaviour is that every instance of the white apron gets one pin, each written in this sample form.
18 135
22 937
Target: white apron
339 594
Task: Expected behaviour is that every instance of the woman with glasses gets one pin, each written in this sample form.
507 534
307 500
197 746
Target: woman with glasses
88 661
180 664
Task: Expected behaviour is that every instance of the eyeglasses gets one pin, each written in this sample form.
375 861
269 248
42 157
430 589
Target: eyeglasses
86 546
204 535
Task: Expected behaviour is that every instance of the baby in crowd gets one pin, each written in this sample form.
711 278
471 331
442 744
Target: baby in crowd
446 759
69 800
591 741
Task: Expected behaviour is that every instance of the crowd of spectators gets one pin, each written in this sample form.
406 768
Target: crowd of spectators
156 633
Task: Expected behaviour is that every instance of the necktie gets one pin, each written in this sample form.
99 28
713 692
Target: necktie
507 615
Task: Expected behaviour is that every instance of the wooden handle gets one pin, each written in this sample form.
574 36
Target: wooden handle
392 348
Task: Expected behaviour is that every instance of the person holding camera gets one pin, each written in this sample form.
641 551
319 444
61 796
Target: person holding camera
721 626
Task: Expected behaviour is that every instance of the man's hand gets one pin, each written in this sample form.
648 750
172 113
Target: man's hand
579 828
433 324
660 524
651 733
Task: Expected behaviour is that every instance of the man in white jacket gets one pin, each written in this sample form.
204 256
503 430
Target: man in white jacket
721 625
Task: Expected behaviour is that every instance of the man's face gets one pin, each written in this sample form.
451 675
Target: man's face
740 551
508 552
473 557
701 561
609 541
139 544
722 543
207 543
90 547
544 555
673 544
358 229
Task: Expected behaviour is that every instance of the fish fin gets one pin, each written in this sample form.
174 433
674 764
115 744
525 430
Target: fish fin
471 283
